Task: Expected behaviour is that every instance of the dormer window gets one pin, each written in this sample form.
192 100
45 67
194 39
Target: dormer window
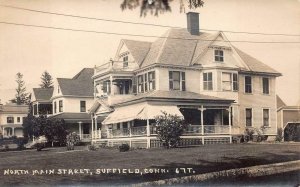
219 55
125 61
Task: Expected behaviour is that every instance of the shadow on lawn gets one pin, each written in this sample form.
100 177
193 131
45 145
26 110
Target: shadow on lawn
201 166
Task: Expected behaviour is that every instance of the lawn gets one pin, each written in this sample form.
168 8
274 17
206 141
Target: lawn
201 159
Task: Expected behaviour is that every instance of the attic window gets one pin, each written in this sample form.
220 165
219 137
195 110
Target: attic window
125 61
219 55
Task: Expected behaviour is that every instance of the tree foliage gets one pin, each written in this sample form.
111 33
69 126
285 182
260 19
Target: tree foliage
72 139
156 7
169 129
21 97
46 80
52 129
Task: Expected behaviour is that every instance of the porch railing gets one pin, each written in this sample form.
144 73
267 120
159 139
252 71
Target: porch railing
208 129
86 136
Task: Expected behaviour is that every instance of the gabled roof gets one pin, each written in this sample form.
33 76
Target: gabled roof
179 47
175 47
80 85
42 93
84 74
14 108
254 64
280 102
138 49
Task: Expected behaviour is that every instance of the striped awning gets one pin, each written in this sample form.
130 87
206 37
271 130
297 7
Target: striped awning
141 111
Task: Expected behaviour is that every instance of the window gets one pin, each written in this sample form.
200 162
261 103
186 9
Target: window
248 117
134 83
248 84
229 81
106 87
10 119
266 117
151 80
60 106
125 61
140 83
55 107
207 81
146 82
219 56
18 119
82 106
235 83
266 85
177 80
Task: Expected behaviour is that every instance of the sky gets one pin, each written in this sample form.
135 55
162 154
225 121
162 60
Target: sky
64 53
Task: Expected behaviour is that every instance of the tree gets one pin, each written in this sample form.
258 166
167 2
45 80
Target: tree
158 6
46 80
52 129
169 129
27 124
21 97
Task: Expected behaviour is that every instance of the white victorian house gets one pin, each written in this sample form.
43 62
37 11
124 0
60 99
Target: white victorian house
217 88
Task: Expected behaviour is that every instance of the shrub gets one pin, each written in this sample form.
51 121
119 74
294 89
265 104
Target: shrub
39 146
248 134
92 148
6 148
279 136
292 132
72 140
169 128
124 148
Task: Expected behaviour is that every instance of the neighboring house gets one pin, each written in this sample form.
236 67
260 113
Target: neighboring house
287 115
217 88
71 100
41 102
11 119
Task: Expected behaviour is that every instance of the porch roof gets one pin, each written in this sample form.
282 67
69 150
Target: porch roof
141 111
174 95
74 117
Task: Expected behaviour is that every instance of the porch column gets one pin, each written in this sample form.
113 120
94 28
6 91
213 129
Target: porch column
79 126
13 131
37 108
92 127
96 124
148 128
111 86
229 114
202 122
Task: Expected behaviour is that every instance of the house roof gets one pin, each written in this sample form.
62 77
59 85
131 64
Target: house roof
173 94
80 85
280 102
179 47
42 93
14 108
138 49
75 117
254 64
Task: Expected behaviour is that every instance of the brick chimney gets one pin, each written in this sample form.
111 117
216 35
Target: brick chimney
193 23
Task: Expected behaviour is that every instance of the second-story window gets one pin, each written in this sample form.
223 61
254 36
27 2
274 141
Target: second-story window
248 84
177 80
82 106
141 83
207 81
18 119
60 106
151 80
229 81
125 61
219 55
106 87
265 82
10 119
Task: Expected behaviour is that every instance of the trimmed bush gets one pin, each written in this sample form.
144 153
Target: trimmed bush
124 148
92 148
